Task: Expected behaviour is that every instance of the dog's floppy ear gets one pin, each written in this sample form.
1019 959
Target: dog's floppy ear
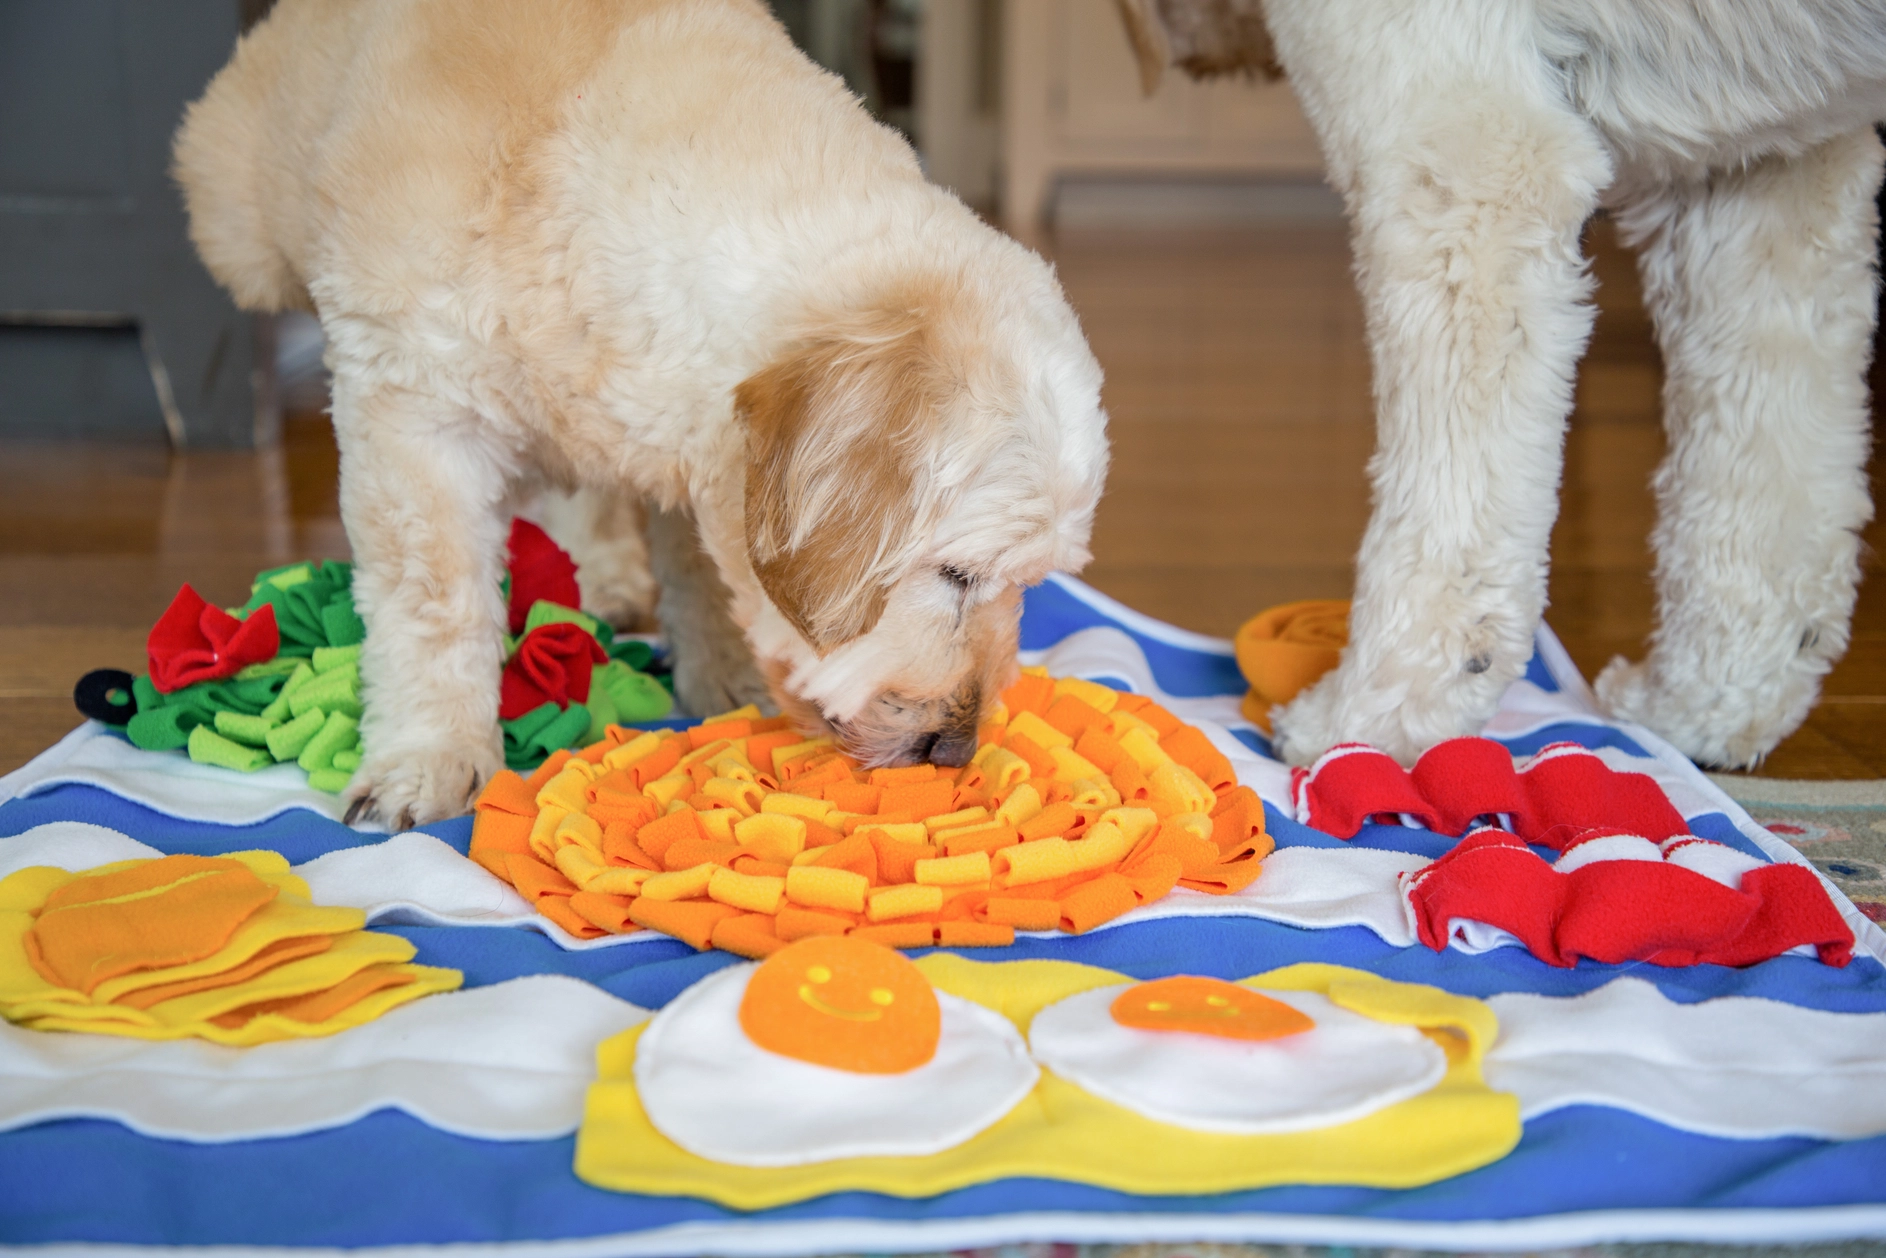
836 493
1205 38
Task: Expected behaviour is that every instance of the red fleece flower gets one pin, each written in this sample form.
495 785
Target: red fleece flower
553 662
540 569
193 641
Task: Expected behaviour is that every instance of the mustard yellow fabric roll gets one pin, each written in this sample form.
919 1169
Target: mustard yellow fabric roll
1283 650
818 887
1062 1132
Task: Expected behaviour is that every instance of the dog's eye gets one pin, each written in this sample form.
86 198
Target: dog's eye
957 577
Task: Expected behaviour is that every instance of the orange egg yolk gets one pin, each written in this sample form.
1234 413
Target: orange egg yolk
843 1002
1207 1006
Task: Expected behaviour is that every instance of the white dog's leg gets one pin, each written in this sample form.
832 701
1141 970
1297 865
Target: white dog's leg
1468 184
423 499
1762 286
714 670
603 531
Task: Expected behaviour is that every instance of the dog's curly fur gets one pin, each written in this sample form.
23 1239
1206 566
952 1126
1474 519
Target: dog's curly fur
1471 139
645 247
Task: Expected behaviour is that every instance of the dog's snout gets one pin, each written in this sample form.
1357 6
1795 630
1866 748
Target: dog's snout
899 730
955 737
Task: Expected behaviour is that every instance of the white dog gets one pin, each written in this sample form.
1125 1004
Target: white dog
1734 141
645 246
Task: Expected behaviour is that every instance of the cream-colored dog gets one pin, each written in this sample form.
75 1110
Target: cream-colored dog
646 247
1734 142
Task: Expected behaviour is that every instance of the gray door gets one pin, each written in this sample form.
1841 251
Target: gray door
109 326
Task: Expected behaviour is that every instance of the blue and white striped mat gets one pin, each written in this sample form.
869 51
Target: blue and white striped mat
391 1183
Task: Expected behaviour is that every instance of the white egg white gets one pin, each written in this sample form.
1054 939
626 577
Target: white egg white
717 1094
1345 1068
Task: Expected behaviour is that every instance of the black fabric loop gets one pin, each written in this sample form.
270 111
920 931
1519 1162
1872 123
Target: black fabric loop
94 696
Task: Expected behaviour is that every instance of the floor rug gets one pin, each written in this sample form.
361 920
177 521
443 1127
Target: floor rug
1840 826
442 1140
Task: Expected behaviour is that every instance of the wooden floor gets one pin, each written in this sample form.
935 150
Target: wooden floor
1237 382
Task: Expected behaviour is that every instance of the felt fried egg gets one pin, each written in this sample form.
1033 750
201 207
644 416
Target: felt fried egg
834 1047
1213 1056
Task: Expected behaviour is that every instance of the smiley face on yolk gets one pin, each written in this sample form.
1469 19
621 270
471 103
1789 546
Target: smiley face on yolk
1206 1006
842 1002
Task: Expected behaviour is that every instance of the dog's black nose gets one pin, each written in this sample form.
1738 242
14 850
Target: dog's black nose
953 747
954 741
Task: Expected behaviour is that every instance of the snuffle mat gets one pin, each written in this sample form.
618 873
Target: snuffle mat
1680 1099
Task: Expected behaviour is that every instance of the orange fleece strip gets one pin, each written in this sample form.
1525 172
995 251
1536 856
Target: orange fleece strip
687 853
1040 763
973 935
496 835
836 769
1074 717
818 834
507 792
855 796
1096 903
1162 721
1018 914
993 839
760 747
797 923
268 958
657 763
1193 750
904 776
857 853
1101 749
1055 819
1238 826
1172 839
322 1005
545 771
923 799
914 934
535 880
1130 780
744 864
557 909
897 860
632 811
605 912
1030 693
619 845
658 836
701 735
750 935
1152 877
690 921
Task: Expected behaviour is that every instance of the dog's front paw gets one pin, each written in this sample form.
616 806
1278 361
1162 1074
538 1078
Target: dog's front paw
1401 711
412 788
1320 717
1716 724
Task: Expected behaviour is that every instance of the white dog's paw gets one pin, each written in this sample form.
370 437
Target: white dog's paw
714 672
412 788
1721 726
1320 717
1402 712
